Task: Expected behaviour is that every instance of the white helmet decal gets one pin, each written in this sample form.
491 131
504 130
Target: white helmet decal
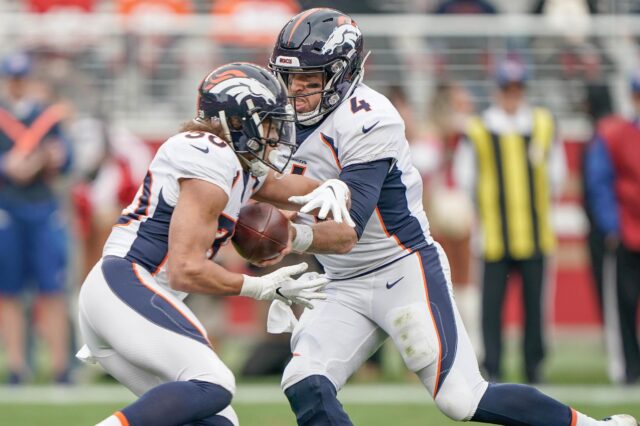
344 34
241 88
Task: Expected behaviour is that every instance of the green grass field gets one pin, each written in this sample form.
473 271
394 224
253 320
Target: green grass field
262 415
264 404
575 374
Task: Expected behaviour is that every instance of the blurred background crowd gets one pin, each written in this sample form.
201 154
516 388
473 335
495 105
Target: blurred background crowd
90 88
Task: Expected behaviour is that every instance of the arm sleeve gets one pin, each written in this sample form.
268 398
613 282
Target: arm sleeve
365 181
599 188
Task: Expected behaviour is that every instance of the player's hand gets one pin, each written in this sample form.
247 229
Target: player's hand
280 285
305 289
22 168
285 251
332 196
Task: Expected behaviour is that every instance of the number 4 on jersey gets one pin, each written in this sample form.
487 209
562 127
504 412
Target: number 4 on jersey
357 105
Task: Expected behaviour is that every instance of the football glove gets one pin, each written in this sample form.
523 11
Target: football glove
332 196
279 285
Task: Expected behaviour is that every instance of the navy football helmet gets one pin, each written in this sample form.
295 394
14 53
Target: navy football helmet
244 97
320 40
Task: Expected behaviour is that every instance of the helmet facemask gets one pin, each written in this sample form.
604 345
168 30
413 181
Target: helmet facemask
262 140
338 78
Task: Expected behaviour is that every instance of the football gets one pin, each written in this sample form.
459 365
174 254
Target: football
262 231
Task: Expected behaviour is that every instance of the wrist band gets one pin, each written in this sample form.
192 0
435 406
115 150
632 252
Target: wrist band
251 286
304 238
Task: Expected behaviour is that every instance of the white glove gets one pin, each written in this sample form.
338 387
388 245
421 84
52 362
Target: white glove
332 195
279 285
310 285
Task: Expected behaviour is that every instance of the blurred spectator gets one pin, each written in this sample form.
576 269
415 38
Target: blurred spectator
466 7
561 7
464 57
513 162
111 164
255 25
597 105
613 179
398 97
155 54
450 209
34 151
256 22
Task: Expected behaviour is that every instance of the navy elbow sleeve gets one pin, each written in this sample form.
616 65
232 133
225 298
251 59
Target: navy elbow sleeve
365 182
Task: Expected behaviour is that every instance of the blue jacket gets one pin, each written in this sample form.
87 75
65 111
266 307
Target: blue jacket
40 189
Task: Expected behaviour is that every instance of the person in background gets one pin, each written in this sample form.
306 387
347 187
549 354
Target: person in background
449 207
111 163
390 280
512 162
613 194
34 153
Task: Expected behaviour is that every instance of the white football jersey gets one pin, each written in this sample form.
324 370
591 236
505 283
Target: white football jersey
141 235
366 127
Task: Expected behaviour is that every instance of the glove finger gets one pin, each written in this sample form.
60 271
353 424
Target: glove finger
298 285
287 271
311 295
311 205
317 283
299 199
336 212
302 301
286 300
324 209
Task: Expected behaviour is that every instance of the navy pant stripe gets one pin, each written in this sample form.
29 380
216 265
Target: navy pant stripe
124 281
441 309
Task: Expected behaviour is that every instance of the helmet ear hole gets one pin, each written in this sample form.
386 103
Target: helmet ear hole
235 123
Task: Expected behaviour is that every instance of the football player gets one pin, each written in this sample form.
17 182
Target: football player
132 316
394 281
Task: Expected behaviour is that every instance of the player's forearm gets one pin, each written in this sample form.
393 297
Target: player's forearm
205 277
277 190
332 237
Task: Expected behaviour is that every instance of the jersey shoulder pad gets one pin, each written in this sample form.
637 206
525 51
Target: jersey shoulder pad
201 155
368 128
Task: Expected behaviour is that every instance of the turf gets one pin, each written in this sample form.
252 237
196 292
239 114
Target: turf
262 415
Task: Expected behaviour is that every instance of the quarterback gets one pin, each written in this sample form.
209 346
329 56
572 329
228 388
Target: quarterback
132 316
394 279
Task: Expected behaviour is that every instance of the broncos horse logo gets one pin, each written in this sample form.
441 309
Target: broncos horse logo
344 34
241 88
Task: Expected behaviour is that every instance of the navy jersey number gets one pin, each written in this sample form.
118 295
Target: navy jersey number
214 140
357 105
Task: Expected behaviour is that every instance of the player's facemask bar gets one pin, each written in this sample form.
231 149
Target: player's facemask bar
262 140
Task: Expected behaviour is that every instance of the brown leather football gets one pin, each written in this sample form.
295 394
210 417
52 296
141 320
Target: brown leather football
262 231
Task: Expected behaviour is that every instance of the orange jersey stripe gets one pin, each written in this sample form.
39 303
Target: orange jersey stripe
122 418
333 152
384 228
166 256
574 417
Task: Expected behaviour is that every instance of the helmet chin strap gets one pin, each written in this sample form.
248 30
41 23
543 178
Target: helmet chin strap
310 118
